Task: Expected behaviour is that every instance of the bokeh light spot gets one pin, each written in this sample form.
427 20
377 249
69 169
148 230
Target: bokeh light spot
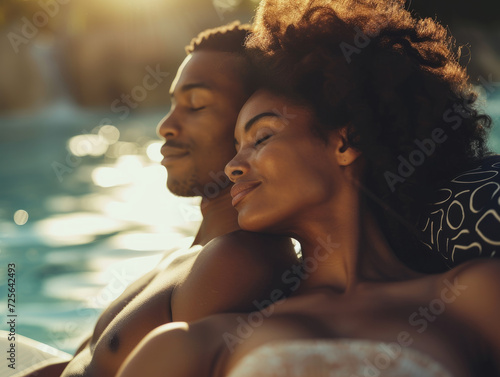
21 217
153 151
88 145
110 133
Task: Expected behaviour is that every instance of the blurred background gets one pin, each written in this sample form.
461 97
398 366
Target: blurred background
83 83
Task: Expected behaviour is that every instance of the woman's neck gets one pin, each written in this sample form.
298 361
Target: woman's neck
348 250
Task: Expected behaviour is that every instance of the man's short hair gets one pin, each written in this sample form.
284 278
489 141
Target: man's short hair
227 38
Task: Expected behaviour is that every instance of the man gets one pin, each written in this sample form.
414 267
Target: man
234 269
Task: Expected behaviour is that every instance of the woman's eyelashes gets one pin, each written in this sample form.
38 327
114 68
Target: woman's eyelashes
261 139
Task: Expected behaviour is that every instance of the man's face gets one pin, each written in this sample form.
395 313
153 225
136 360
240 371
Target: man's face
207 95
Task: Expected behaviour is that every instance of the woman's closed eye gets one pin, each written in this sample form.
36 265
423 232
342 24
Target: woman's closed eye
262 139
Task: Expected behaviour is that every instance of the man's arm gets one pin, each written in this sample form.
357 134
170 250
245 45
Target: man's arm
230 273
175 349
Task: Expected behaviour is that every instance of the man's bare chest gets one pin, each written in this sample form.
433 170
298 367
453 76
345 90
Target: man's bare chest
142 307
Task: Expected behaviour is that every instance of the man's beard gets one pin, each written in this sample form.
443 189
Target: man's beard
188 187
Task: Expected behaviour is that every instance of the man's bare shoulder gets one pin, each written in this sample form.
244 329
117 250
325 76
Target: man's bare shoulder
247 255
230 273
243 244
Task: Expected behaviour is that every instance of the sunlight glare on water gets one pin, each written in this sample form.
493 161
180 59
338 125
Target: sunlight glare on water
75 228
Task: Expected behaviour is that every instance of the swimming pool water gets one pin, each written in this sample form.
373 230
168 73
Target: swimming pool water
87 217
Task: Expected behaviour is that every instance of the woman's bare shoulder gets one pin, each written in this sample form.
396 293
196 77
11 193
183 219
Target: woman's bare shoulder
473 287
477 273
477 305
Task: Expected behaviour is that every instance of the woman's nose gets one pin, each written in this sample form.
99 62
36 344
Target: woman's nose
236 168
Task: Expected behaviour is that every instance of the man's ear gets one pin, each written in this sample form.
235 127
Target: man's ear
344 153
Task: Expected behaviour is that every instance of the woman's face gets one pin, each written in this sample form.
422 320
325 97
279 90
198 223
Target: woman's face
284 174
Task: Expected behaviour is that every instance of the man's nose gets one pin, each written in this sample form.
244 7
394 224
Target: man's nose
168 127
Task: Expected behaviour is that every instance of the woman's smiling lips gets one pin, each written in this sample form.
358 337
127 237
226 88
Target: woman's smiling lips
241 189
172 153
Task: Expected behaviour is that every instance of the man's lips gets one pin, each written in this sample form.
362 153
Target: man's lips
241 189
172 153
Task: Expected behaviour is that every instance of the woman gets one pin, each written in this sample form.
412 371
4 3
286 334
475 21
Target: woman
326 154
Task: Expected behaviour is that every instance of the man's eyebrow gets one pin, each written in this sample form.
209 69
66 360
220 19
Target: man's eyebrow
195 85
252 121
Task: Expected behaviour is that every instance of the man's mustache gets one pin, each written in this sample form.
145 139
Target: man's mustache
176 144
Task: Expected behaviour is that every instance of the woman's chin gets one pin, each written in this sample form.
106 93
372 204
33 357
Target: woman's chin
257 223
250 225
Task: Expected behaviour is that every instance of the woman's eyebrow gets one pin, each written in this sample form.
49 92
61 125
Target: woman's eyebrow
252 121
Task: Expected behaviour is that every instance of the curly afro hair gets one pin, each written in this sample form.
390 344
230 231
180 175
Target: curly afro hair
394 82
